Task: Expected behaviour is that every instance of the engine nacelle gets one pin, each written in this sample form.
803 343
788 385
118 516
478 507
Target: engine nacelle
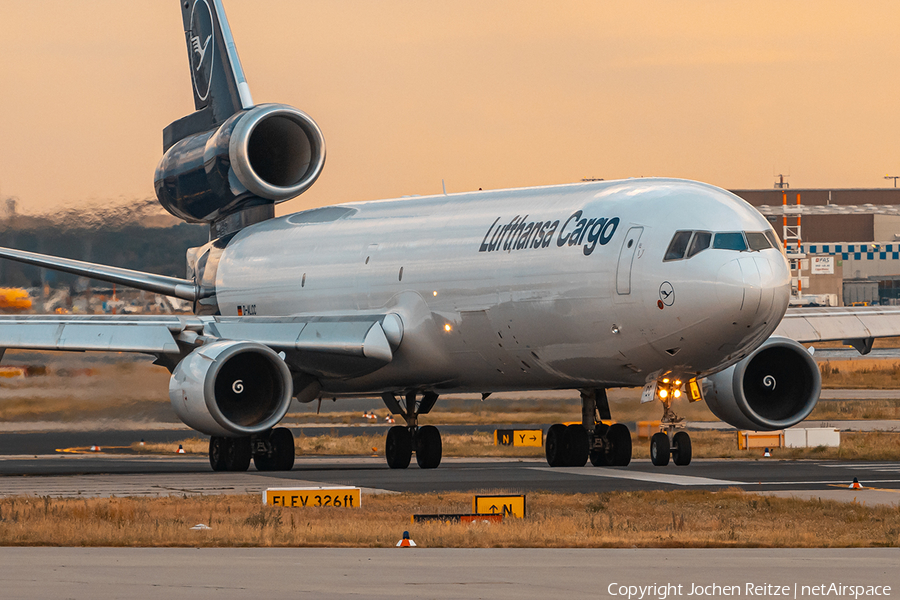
231 389
269 153
776 386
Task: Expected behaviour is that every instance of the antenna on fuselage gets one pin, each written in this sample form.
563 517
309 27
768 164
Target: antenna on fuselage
444 186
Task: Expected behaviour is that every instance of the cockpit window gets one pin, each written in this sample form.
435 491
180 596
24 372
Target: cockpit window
699 243
678 245
730 241
758 241
773 238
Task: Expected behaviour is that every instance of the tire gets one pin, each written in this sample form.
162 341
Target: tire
398 447
428 447
265 462
218 448
578 445
555 445
659 449
620 441
600 457
229 454
681 454
282 441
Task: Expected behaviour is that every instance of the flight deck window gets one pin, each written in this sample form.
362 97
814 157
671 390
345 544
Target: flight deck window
730 241
678 245
758 241
773 238
699 243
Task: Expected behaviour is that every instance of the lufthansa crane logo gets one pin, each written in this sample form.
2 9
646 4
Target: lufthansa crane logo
202 48
666 294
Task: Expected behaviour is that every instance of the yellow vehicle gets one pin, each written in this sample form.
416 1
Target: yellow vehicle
14 300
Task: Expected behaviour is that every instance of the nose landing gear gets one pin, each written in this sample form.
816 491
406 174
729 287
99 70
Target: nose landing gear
402 440
669 441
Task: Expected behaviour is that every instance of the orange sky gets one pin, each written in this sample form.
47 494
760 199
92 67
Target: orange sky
480 93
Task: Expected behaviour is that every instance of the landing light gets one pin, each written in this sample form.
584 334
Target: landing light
677 393
663 393
448 327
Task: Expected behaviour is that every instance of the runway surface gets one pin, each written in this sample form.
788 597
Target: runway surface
92 475
498 574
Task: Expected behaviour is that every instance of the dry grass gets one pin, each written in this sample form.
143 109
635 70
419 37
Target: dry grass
870 374
514 411
616 519
869 445
476 444
844 410
127 390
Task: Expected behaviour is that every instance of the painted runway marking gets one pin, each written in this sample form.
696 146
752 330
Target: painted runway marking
638 476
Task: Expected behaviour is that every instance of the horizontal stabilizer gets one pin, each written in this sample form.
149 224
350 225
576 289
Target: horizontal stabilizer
159 284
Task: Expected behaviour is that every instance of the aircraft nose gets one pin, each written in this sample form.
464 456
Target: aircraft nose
754 289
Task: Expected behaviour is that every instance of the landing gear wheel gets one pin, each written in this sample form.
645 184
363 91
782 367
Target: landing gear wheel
229 454
428 447
620 439
555 446
275 452
681 453
659 449
600 456
282 441
578 445
398 447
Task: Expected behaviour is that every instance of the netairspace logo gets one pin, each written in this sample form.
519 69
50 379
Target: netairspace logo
795 591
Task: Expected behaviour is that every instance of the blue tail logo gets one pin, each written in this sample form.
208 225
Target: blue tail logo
201 29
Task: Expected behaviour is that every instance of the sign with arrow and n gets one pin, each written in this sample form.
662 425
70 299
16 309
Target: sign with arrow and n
508 506
519 437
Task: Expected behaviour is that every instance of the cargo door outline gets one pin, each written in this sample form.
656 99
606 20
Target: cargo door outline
626 260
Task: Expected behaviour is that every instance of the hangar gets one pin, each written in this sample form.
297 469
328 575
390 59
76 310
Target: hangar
846 241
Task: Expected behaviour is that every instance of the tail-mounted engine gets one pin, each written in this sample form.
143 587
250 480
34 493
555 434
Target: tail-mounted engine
776 386
261 156
231 389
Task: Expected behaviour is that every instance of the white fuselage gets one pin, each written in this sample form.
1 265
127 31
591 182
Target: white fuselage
536 288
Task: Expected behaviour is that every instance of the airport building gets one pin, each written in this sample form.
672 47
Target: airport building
848 241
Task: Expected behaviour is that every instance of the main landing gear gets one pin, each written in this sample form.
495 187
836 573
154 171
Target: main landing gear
670 441
402 440
271 451
604 445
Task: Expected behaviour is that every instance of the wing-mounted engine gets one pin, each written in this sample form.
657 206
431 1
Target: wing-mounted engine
257 158
231 389
776 386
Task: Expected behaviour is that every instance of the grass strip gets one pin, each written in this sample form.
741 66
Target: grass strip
695 519
863 445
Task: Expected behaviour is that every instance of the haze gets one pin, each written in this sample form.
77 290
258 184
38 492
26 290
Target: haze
479 93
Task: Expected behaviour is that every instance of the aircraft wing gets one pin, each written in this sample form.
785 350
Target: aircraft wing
856 326
370 338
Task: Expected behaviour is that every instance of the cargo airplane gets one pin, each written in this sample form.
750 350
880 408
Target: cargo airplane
671 285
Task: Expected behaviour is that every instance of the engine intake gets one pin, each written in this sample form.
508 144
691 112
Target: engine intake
267 154
231 389
775 387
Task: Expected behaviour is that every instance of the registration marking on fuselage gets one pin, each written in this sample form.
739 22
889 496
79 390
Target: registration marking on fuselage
638 476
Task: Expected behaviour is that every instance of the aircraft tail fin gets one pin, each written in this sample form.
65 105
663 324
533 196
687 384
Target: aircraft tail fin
217 78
